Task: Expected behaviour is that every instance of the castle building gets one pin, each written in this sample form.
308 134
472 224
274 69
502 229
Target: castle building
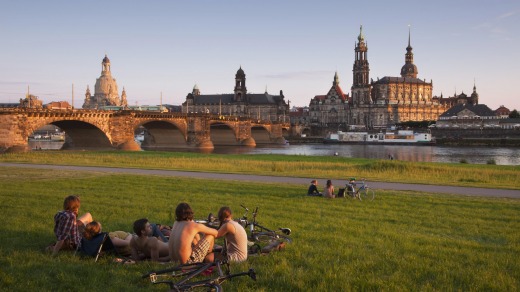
330 110
391 100
462 98
105 90
262 106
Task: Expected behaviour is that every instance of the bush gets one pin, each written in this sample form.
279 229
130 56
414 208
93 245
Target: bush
463 161
491 161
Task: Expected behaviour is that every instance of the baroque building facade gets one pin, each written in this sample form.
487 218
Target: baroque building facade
330 110
240 103
105 90
391 100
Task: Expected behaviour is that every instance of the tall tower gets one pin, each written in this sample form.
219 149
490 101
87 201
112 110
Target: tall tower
409 69
360 86
240 85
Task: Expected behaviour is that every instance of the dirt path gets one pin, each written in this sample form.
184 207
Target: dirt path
468 191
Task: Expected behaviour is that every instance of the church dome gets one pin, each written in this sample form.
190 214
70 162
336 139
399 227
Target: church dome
409 70
106 59
240 72
106 86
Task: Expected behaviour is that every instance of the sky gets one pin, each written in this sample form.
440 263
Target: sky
163 48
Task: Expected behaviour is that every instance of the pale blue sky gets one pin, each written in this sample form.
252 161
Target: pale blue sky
294 46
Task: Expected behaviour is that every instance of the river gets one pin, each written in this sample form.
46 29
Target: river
449 154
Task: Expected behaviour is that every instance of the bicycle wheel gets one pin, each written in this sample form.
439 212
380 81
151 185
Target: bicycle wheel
209 287
267 237
366 194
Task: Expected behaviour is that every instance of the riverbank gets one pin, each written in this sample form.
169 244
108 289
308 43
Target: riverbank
330 167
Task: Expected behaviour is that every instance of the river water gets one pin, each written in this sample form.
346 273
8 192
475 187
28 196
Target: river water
473 155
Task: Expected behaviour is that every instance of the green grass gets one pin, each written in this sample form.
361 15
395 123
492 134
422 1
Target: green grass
400 241
481 175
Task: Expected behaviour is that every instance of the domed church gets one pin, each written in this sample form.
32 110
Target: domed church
105 90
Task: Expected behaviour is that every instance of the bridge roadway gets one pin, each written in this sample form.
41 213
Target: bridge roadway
304 182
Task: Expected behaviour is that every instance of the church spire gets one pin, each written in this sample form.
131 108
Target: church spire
336 79
409 69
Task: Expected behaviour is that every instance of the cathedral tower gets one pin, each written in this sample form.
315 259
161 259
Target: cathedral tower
360 87
409 69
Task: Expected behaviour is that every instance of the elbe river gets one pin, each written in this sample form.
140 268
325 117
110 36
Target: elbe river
448 154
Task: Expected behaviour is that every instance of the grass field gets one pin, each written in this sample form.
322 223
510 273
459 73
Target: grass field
399 241
487 176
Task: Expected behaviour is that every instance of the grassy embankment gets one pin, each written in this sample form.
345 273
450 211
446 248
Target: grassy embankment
400 241
490 176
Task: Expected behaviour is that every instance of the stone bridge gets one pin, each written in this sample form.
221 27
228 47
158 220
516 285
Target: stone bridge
101 129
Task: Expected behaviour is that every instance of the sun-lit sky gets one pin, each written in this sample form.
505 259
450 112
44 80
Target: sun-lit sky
296 46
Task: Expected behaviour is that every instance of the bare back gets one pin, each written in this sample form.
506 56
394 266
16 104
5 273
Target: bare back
185 234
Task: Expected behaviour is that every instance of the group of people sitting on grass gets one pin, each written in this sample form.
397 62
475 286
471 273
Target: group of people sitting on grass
328 192
188 242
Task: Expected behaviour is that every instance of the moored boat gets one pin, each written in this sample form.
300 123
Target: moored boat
389 137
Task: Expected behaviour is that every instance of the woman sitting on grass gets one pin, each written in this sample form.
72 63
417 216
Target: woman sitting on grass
329 190
236 237
66 224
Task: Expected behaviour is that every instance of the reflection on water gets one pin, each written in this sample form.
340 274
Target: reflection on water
473 155
45 145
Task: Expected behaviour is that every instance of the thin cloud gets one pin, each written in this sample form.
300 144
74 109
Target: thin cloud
507 14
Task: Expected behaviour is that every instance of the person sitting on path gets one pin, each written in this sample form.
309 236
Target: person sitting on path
329 190
313 189
67 225
144 246
186 245
235 234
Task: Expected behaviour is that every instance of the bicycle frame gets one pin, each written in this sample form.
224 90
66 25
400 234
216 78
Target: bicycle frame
255 227
192 270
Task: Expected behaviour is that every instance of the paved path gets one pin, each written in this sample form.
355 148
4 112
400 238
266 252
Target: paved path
468 191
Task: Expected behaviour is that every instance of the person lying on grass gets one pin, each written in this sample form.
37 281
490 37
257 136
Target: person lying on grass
186 245
144 246
68 227
120 239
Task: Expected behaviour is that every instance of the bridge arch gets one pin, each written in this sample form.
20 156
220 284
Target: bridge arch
223 134
83 135
80 133
163 135
261 134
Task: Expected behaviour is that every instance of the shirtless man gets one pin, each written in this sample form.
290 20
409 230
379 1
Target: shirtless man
186 245
145 246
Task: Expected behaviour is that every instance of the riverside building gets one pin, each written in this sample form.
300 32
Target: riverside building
240 103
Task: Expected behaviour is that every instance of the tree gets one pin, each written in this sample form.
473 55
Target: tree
514 114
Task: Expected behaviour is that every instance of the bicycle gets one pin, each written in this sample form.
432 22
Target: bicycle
190 271
259 233
362 193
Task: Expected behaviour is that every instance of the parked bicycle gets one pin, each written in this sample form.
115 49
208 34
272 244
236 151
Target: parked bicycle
190 271
362 193
259 233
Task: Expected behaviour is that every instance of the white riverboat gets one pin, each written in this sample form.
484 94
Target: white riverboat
388 137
